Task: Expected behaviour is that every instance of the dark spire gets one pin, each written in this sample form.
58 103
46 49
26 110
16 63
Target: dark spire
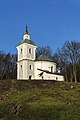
27 29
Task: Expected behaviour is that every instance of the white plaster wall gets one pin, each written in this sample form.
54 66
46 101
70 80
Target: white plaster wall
20 55
31 56
24 69
53 77
45 65
30 72
25 51
22 73
19 70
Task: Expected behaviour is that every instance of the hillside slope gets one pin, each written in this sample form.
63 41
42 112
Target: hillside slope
39 100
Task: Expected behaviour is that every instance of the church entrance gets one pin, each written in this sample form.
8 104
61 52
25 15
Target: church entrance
30 77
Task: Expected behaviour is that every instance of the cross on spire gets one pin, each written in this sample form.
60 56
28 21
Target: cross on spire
27 29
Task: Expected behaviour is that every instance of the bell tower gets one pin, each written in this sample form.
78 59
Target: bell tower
26 56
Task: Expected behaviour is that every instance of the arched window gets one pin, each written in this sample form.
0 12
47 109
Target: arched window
21 50
51 68
21 67
30 67
42 77
30 50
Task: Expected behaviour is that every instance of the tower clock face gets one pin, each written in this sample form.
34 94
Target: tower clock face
27 36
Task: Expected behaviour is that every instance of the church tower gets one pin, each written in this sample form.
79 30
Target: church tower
26 56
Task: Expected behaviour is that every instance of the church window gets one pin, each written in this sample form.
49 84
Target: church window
30 67
51 68
21 50
30 50
42 77
21 67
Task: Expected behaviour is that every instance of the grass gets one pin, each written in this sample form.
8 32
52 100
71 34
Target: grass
39 100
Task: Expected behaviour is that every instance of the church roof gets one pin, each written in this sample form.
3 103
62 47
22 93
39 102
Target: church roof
44 58
27 41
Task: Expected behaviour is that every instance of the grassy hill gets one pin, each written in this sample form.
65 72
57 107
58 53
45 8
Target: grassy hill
39 100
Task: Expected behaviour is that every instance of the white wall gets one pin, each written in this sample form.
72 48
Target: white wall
30 72
45 65
21 69
53 77
25 52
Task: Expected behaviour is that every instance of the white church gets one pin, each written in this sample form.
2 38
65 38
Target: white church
30 67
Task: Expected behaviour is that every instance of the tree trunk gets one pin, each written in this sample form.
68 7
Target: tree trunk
74 72
71 75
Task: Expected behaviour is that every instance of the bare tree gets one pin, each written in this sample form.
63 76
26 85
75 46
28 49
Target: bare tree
7 66
69 57
45 50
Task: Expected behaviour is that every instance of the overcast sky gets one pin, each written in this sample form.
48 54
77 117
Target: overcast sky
50 22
